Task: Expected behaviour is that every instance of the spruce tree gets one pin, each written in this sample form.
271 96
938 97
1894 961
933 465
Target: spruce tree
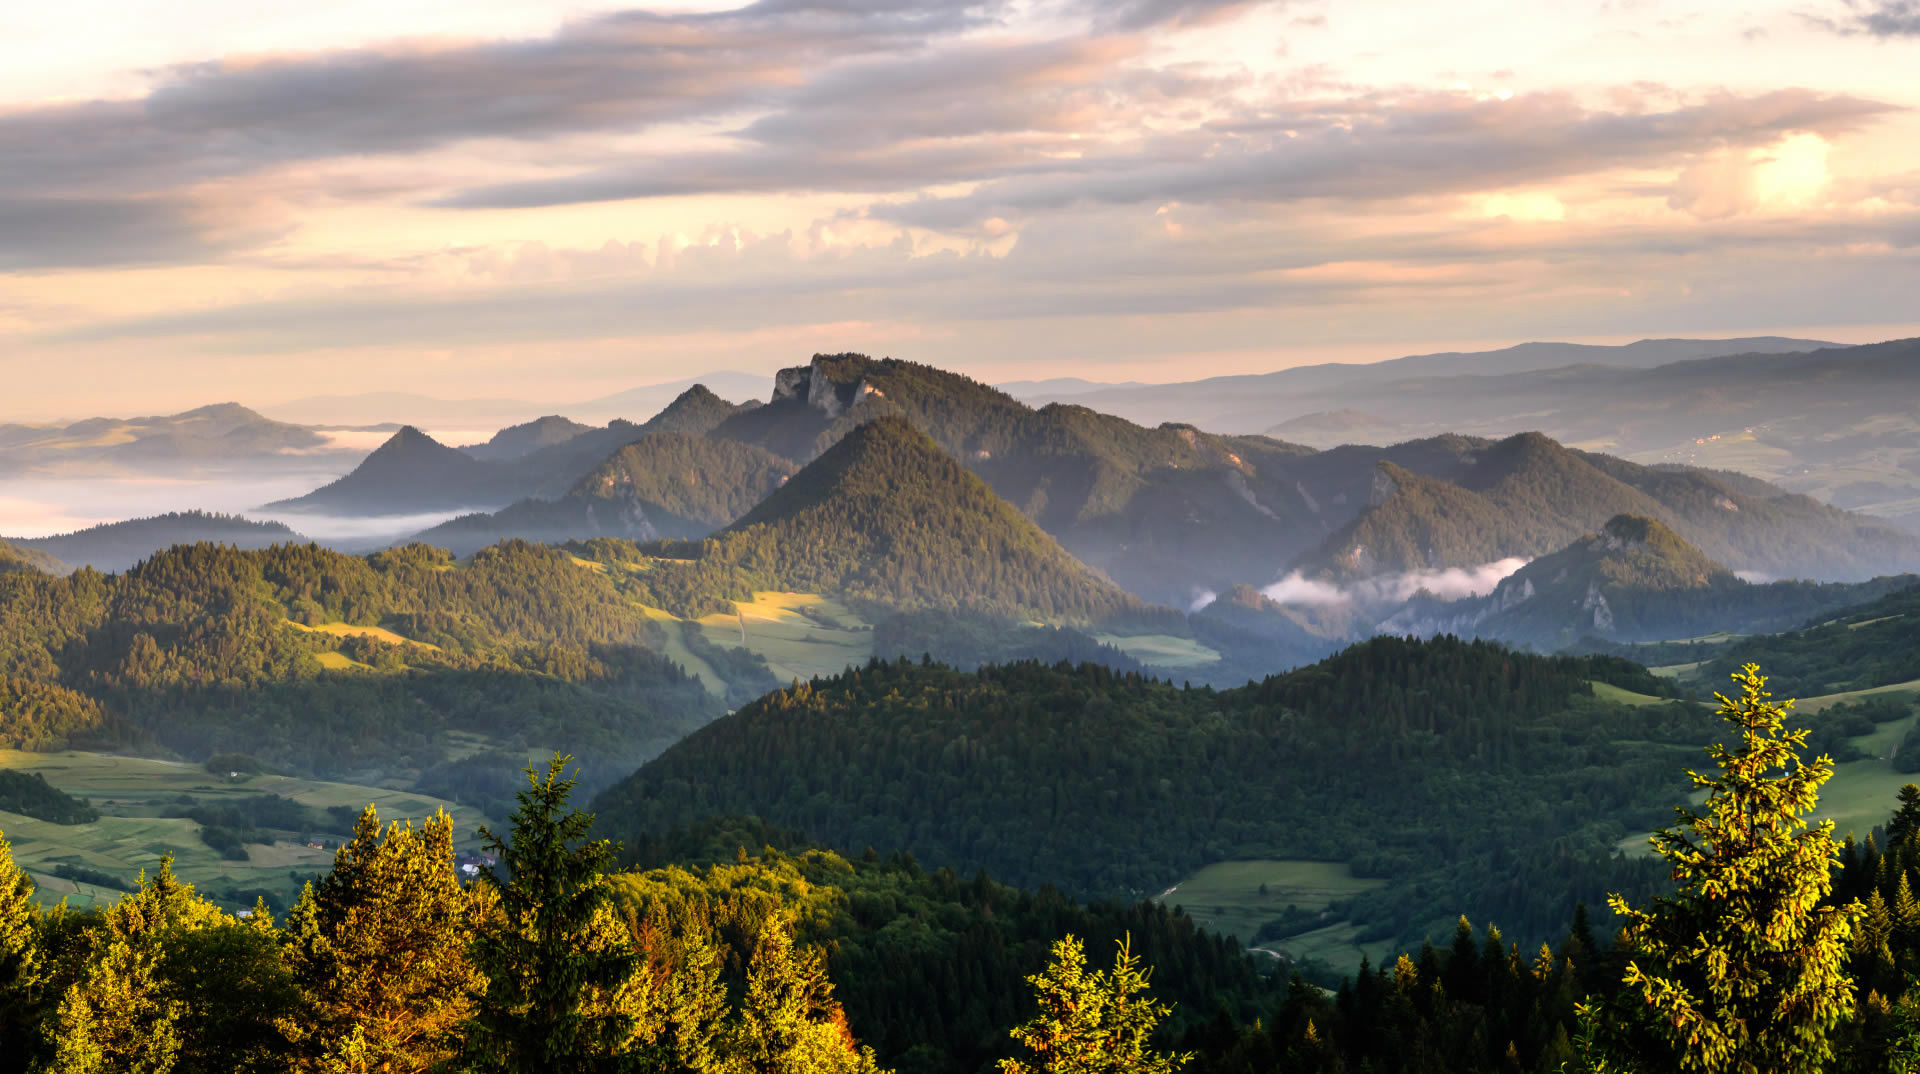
21 969
120 1015
1742 971
1092 1023
788 1021
564 988
379 948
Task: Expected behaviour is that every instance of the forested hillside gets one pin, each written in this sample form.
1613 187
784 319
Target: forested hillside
663 485
1633 581
1528 496
15 558
325 663
885 516
1112 783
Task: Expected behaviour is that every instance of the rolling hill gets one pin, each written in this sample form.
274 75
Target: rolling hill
403 666
1111 783
116 546
220 436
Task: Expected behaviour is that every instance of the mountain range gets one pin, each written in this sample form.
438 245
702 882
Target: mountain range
1167 511
412 472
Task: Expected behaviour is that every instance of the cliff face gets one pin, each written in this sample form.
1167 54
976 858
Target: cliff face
812 384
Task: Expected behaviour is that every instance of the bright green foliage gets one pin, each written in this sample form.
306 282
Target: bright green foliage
1098 1023
119 1016
380 949
21 964
1743 970
779 1030
564 987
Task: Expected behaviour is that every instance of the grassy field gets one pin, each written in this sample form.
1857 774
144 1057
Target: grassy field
801 635
1227 897
129 838
348 630
1607 691
1861 793
1162 650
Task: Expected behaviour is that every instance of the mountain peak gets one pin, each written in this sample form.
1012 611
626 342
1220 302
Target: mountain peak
885 515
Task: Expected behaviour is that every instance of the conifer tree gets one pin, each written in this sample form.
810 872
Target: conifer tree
1093 1023
788 1022
21 969
1742 971
379 948
564 987
120 1016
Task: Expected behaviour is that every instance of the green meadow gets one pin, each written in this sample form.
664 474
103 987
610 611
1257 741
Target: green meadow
130 837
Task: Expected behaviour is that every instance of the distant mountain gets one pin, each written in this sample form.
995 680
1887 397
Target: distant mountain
15 558
1527 496
886 516
517 441
412 473
116 546
663 485
207 437
1259 401
1633 581
727 383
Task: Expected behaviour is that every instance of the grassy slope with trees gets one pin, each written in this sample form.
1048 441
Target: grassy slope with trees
200 650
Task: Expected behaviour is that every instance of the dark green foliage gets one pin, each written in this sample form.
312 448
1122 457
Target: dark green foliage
32 796
232 765
557 993
968 641
1875 644
1109 782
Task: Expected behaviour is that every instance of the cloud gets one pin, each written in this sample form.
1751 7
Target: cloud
1886 18
1380 146
1452 583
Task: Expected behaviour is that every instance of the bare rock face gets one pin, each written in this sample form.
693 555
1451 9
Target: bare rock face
1596 602
811 385
1384 486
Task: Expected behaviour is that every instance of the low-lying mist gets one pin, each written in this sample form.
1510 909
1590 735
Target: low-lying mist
1451 583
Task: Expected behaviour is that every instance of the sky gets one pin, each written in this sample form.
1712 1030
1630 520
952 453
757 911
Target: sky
260 200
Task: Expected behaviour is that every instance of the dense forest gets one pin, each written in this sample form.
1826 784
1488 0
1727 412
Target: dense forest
794 958
319 662
1112 783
